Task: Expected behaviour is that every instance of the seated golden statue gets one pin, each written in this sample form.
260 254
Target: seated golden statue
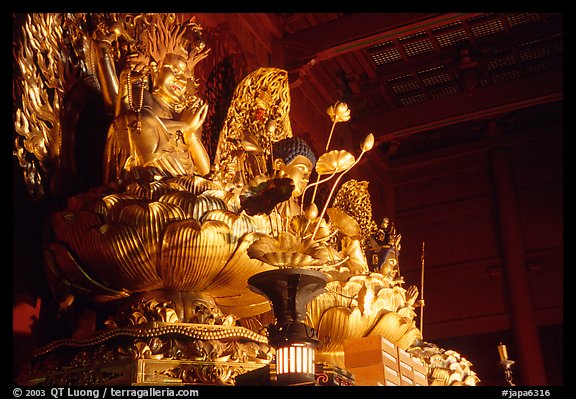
158 116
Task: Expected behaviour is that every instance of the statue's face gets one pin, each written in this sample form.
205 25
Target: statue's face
173 77
299 170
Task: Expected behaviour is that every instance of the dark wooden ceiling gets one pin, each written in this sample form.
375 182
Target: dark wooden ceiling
404 74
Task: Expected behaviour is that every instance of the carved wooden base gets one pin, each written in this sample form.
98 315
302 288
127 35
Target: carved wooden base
154 354
332 375
324 375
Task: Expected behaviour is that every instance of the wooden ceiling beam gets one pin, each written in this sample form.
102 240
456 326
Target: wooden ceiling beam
356 31
445 111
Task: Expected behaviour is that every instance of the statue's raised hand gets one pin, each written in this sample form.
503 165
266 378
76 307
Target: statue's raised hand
195 117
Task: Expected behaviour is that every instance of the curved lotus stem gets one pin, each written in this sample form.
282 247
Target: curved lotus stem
338 112
330 136
315 185
365 147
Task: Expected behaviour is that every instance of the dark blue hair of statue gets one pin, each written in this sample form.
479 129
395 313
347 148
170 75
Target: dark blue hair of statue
289 148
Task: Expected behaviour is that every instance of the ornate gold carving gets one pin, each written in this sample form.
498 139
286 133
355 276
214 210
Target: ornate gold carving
210 374
46 69
445 367
191 353
353 198
257 117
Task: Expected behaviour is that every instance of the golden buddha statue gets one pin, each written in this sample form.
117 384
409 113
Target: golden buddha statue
157 126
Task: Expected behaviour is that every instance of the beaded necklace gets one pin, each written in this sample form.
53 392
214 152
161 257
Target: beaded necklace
138 108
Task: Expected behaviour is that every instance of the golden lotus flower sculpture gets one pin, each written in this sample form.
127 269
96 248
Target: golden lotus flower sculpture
178 235
356 306
287 250
339 112
445 367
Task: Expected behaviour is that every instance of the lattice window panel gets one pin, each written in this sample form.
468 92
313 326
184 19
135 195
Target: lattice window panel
505 76
522 19
414 99
379 46
405 87
384 53
483 82
386 56
444 91
416 43
434 76
404 84
451 38
534 53
418 47
502 62
487 28
539 67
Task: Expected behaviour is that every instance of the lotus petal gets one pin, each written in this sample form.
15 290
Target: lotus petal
149 220
440 377
61 263
338 273
390 299
287 250
456 367
205 203
240 224
338 112
182 183
356 260
71 227
471 380
243 305
407 312
201 184
98 206
339 324
327 300
115 254
116 202
390 326
289 259
409 337
232 279
454 379
183 199
193 254
231 199
150 191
